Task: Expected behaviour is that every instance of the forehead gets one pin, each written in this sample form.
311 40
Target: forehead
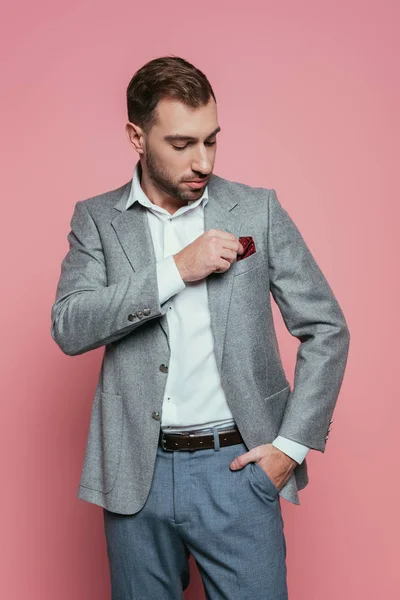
175 117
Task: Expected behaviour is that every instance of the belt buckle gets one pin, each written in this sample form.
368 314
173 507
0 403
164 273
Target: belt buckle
163 442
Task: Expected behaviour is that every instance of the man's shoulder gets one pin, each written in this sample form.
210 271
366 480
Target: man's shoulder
107 200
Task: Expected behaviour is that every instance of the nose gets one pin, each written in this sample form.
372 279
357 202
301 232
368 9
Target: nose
201 162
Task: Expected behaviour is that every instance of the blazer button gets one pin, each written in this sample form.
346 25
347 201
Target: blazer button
164 368
156 415
132 317
146 312
326 437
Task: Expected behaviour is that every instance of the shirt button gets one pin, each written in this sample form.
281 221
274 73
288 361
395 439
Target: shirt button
164 368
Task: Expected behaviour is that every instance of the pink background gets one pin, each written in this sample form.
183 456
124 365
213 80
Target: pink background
308 96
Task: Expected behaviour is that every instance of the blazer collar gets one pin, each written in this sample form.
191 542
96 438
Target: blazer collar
215 190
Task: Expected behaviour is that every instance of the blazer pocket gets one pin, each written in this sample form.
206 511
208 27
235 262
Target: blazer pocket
247 264
275 405
104 444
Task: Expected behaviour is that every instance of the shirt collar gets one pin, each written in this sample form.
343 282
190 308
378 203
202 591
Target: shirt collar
137 195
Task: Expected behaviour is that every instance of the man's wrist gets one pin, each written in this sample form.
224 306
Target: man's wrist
290 461
292 449
180 265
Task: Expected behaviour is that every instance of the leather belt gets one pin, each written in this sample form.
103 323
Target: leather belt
195 440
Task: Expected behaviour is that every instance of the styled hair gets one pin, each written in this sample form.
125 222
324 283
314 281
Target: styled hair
165 77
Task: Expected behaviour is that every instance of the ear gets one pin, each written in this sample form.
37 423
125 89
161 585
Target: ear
135 136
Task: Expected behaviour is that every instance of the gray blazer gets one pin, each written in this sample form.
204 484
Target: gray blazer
107 295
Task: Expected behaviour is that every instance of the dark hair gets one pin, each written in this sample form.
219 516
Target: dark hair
165 77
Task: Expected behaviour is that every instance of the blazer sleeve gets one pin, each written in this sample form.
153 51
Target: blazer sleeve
312 314
87 312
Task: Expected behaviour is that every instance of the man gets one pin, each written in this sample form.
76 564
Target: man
195 432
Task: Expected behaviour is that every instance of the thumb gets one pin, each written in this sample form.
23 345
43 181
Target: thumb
242 460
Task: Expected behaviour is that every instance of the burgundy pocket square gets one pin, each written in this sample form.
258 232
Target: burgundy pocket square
248 245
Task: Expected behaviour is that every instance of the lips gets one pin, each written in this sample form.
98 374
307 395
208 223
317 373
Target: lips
197 183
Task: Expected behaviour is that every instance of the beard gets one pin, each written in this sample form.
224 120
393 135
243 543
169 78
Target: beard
163 181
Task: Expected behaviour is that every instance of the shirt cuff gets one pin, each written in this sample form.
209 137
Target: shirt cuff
169 279
293 449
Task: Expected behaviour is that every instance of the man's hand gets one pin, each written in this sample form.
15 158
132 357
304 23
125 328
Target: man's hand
214 250
277 465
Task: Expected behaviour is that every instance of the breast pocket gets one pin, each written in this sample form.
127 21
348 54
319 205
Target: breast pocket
247 264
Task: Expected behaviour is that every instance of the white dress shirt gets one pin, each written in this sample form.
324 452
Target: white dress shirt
194 398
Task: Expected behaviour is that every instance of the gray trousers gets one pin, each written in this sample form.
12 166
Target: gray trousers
229 521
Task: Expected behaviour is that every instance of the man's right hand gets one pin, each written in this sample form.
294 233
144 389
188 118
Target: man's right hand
214 250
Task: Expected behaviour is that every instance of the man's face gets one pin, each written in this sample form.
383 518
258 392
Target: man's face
181 148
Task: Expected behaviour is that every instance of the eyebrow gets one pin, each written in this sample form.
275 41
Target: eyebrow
188 138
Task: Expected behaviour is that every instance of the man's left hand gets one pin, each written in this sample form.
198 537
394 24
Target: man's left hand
277 465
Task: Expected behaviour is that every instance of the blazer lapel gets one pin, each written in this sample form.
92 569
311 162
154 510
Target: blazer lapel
220 213
133 232
132 229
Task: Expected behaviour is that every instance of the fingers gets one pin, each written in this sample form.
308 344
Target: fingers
243 459
223 267
231 245
228 254
222 234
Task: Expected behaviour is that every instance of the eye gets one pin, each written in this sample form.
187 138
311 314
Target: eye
183 147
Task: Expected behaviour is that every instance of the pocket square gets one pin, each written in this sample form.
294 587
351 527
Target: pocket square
248 245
